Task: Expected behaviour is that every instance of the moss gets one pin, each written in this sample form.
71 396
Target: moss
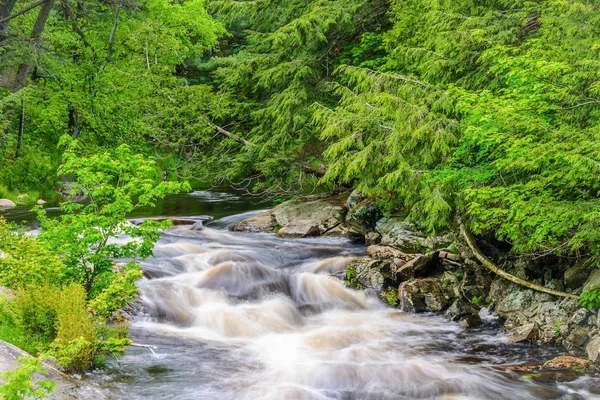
277 228
391 296
352 278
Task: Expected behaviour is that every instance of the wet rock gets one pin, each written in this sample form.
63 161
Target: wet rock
365 273
459 309
306 216
299 229
565 362
576 276
522 333
363 216
259 223
418 295
5 203
576 339
593 349
176 221
470 321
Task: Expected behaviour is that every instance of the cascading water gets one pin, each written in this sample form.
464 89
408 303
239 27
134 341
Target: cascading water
252 316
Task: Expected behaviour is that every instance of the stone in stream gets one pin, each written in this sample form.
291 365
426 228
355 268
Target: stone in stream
303 217
523 333
5 203
418 295
41 202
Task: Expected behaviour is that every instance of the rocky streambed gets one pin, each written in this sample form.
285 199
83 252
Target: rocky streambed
420 273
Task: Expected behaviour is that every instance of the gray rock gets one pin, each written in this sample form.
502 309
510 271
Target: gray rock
580 316
593 349
5 203
41 202
593 280
354 198
418 295
259 223
363 216
576 339
522 333
576 276
459 309
406 237
299 229
367 273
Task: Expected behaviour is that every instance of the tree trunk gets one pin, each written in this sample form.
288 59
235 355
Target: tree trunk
470 239
36 34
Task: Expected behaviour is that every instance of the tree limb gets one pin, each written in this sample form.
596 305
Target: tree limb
23 11
489 264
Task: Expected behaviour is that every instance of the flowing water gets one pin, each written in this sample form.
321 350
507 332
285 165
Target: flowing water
251 316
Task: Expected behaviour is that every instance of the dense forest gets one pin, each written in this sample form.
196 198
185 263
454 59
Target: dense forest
437 109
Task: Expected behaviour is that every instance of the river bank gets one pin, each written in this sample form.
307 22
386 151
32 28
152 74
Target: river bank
422 273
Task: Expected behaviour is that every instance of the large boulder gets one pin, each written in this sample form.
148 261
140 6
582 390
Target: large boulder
427 294
263 222
302 217
363 216
593 349
5 203
576 276
522 333
406 236
593 280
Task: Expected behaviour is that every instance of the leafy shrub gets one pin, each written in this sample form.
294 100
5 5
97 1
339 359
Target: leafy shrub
18 383
352 279
590 298
33 309
25 261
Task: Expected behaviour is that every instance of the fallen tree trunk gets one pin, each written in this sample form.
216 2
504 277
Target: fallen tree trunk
489 264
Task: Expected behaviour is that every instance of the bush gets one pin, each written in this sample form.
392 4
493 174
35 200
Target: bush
33 310
18 383
590 298
25 261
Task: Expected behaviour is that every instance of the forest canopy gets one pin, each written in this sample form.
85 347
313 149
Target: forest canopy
435 108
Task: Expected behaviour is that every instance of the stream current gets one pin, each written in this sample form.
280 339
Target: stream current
252 316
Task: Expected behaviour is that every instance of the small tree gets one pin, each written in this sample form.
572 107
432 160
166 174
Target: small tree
92 236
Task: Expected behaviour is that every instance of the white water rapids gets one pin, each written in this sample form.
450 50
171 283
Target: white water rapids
251 316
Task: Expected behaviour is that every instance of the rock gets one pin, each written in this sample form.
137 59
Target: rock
565 362
66 387
306 216
522 333
576 276
518 299
383 252
363 216
259 223
593 349
343 230
176 221
364 273
444 255
353 199
299 229
418 295
580 316
470 321
406 237
5 203
459 309
576 339
593 280
41 202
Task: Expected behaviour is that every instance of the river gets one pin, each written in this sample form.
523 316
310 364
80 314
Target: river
251 316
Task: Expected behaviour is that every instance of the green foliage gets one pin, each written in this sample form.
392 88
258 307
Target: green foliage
477 300
18 383
590 298
88 235
25 261
391 296
352 278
